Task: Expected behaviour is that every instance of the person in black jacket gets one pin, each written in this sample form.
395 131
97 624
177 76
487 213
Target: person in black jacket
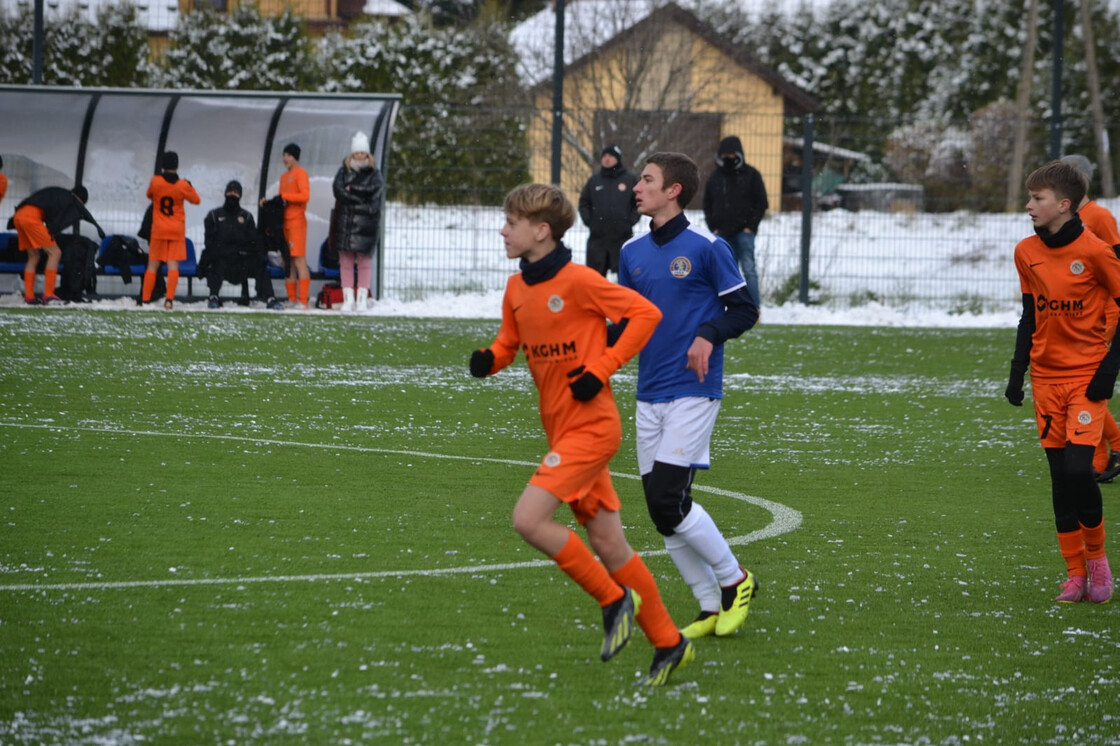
233 253
606 206
734 204
37 221
356 221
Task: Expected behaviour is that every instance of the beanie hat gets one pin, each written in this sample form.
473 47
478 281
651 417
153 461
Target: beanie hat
359 143
170 160
1081 163
612 150
81 193
292 149
234 186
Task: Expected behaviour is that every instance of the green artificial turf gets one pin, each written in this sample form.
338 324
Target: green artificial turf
294 528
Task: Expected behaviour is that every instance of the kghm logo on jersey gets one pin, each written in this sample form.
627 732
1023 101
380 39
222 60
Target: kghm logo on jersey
556 304
1084 418
680 267
1076 267
1042 303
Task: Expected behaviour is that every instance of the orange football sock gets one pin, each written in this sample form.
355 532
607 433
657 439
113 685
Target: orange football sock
304 289
577 561
1100 455
172 282
1111 433
1072 546
29 285
148 286
653 617
290 286
1094 540
50 279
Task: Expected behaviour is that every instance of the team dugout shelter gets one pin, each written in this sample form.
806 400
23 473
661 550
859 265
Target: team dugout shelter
112 139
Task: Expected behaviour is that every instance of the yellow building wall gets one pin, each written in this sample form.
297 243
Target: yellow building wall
687 74
752 111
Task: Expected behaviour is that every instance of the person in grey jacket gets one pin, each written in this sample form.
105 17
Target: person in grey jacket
356 221
606 206
734 204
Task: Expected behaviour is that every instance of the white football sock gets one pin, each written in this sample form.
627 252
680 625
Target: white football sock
696 572
700 532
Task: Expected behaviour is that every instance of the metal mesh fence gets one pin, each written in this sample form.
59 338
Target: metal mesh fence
873 237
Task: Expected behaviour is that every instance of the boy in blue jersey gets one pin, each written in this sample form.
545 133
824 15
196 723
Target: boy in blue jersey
692 277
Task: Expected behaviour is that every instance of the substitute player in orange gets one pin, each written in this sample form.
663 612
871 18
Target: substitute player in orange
37 220
1068 277
3 181
168 243
554 311
1106 459
295 190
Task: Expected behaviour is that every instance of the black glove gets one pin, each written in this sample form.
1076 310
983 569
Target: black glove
482 362
1102 385
585 386
1014 390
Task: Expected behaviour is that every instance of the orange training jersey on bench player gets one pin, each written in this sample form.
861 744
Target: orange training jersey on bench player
1072 286
295 190
169 219
559 324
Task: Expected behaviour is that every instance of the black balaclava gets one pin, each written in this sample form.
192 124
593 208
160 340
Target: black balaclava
233 204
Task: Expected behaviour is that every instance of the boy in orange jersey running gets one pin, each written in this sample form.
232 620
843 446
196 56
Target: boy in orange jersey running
169 226
37 220
295 191
1106 459
554 310
1068 277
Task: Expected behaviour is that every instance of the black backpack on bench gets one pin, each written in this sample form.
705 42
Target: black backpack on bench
79 272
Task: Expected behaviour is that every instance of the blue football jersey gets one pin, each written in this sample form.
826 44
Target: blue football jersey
685 279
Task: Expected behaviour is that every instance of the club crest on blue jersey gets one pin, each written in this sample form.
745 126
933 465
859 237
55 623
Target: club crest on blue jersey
680 267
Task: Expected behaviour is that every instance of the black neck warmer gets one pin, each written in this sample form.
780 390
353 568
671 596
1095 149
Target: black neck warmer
547 266
1066 235
662 235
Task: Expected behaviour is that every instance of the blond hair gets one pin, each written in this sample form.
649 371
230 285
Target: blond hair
542 203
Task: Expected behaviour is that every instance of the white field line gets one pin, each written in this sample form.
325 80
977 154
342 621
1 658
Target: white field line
785 519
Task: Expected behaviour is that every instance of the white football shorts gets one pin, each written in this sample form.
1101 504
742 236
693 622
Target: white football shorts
677 432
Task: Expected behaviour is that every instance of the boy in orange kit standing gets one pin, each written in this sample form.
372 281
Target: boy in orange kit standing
169 226
1068 278
554 310
295 190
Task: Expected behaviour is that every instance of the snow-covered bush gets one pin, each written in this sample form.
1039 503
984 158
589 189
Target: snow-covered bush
111 50
460 136
239 50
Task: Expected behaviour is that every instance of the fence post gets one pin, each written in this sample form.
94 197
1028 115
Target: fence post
558 93
806 206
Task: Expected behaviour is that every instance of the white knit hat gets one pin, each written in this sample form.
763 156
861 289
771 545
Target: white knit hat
359 143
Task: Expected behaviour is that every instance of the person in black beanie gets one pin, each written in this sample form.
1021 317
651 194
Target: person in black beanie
233 253
606 206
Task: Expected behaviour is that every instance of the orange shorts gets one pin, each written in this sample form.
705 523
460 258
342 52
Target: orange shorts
1065 415
577 470
31 233
296 233
167 250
